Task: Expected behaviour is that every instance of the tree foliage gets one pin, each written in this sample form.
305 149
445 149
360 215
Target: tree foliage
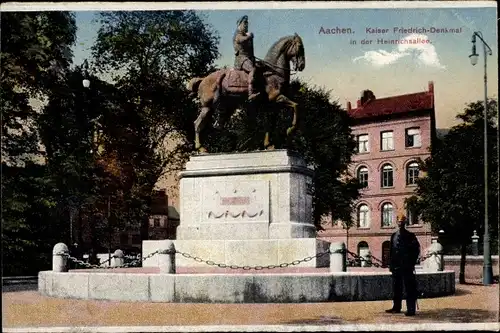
73 127
324 140
28 230
35 53
151 55
451 195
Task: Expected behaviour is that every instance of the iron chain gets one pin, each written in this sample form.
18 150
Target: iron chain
427 256
246 267
133 263
369 261
136 262
358 257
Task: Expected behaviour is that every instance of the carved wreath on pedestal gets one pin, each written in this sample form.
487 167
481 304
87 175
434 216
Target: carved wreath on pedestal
235 201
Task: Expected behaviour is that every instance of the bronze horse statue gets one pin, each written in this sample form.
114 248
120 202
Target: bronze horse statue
226 90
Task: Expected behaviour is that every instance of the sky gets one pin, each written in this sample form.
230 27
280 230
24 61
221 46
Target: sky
344 68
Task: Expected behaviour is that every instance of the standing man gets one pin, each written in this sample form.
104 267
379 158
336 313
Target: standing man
245 59
405 250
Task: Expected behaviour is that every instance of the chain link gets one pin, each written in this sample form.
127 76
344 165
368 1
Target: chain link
139 260
133 263
370 257
427 256
258 267
369 260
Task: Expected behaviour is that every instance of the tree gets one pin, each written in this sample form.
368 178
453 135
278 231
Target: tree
73 126
151 55
451 195
35 53
36 50
324 140
28 230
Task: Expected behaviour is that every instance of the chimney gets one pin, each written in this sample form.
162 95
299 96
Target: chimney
431 92
349 107
162 197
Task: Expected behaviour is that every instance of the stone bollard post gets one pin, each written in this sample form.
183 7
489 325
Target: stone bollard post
166 257
435 263
337 257
369 258
60 255
364 253
475 247
118 258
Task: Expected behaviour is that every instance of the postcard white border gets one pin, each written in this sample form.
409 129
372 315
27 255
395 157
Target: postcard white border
266 328
270 5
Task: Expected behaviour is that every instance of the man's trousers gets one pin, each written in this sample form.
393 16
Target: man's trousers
406 276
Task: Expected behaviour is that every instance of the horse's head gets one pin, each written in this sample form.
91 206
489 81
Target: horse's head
296 53
287 49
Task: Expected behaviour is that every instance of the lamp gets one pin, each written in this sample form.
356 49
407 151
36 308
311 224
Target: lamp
487 267
85 81
474 56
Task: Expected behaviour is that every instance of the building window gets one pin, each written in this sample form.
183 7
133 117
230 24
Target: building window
387 215
412 217
363 216
387 176
363 146
412 173
363 176
363 248
156 222
386 141
413 138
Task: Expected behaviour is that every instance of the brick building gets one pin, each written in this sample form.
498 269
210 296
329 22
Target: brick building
164 218
392 134
163 223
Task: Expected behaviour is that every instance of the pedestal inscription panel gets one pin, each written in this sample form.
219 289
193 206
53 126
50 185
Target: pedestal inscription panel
245 201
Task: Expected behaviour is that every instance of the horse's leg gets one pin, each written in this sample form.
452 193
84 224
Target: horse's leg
270 126
199 125
285 100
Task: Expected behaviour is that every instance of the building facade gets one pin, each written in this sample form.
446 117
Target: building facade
164 218
392 133
163 223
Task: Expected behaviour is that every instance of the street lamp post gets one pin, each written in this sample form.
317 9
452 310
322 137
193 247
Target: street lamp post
86 81
487 268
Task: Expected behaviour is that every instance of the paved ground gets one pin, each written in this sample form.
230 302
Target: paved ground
22 306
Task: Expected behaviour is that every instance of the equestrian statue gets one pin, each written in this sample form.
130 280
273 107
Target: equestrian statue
251 81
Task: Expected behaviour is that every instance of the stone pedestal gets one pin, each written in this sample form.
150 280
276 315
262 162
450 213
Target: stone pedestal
247 209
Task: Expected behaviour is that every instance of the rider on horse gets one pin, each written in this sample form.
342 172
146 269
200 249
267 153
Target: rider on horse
245 59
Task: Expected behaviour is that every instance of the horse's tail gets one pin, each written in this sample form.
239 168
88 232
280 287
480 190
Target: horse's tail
193 86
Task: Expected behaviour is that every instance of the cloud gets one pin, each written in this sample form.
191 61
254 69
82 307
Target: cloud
424 54
381 58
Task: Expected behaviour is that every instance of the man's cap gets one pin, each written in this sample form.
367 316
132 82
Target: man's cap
401 215
244 18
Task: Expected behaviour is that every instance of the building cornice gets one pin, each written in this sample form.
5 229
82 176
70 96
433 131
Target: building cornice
366 157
